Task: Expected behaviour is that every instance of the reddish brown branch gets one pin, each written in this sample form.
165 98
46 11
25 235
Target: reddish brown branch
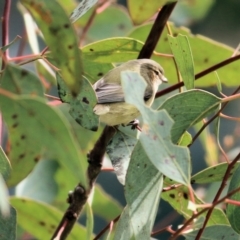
212 118
106 228
189 221
5 28
199 75
223 184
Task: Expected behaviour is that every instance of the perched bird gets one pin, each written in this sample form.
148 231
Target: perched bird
111 107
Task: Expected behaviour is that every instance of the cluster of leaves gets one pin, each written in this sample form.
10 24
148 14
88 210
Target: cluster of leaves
45 152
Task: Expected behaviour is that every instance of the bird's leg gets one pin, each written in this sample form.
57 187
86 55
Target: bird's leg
135 124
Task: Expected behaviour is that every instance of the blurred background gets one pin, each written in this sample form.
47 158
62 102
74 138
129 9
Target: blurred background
218 20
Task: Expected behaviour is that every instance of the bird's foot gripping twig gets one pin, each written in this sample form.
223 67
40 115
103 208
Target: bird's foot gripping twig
135 125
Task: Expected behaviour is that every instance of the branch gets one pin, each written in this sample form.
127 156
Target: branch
199 75
5 28
223 184
180 230
156 30
79 196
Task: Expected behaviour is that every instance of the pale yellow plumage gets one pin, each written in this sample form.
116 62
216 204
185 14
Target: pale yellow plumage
111 107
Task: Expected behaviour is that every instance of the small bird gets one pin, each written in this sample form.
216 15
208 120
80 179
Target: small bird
111 107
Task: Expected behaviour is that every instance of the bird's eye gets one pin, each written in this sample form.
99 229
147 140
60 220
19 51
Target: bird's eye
156 72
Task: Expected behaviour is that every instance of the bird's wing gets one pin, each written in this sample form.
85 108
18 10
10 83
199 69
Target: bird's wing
108 93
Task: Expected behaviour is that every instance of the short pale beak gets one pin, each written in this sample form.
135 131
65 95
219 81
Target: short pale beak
164 79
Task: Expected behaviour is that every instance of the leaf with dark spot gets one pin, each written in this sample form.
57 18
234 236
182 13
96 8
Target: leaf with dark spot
81 107
21 81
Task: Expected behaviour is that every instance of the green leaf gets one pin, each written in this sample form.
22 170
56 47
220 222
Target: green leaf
8 225
142 10
213 173
202 49
124 229
20 81
4 204
81 105
185 140
5 166
119 151
95 70
214 233
142 191
41 220
112 50
174 161
61 39
90 221
233 211
219 84
81 9
188 108
40 184
182 53
178 198
114 21
51 132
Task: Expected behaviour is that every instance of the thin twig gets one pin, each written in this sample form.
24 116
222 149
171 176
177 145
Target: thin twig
223 184
189 221
211 119
199 75
5 28
106 228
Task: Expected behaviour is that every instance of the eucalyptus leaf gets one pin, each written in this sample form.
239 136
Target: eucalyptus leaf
112 50
21 81
81 105
182 53
188 108
141 10
55 25
179 199
51 132
214 233
213 173
5 166
44 219
4 203
142 191
173 161
119 151
82 8
8 225
233 211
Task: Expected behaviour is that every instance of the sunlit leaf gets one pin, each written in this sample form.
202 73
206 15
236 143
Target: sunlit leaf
183 56
44 219
55 26
112 50
51 132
